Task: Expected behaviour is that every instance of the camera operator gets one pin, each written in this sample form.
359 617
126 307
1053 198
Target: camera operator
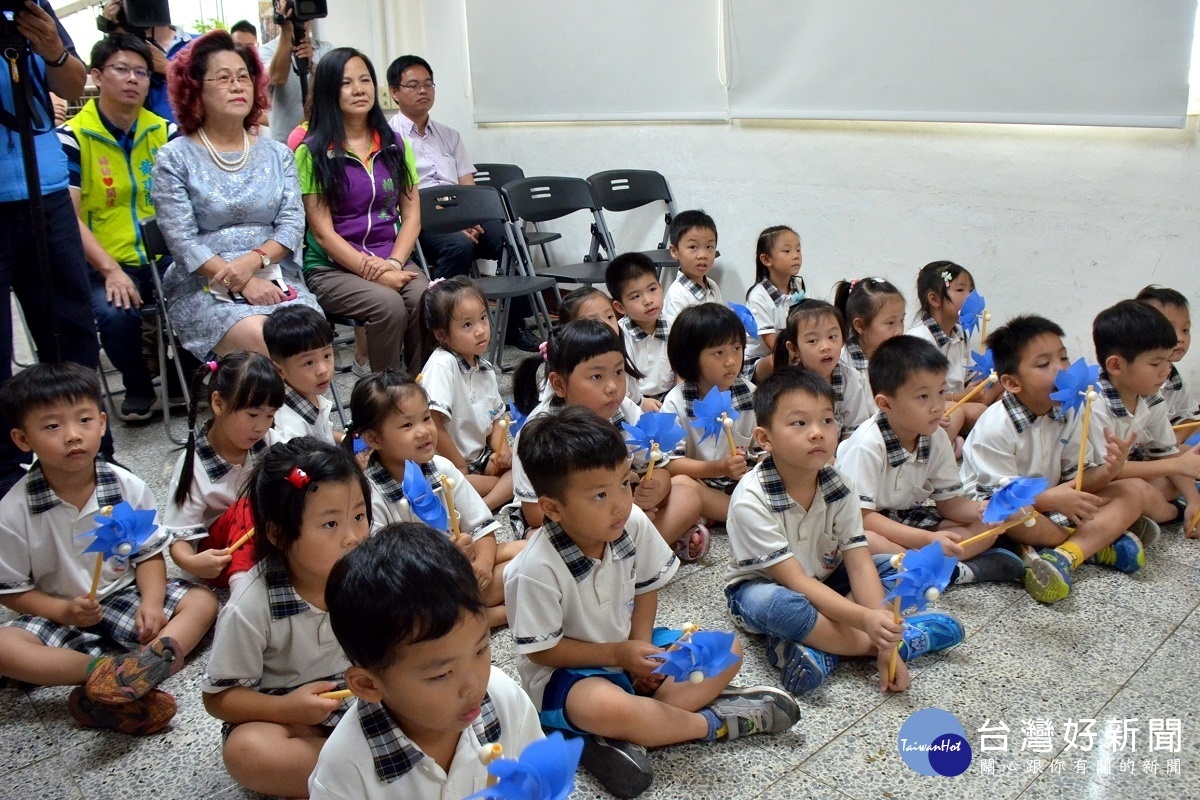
112 20
287 103
52 66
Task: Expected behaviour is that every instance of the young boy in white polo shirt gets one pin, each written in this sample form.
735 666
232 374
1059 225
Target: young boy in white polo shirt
797 548
903 467
632 281
694 244
582 598
405 607
64 636
300 342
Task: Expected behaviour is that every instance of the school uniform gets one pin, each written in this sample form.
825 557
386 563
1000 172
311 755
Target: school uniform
468 396
215 486
953 344
388 503
853 358
770 308
298 417
648 352
368 756
1181 403
684 292
681 401
1149 419
850 410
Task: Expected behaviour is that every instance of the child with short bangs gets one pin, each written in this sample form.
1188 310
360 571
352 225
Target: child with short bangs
874 312
1182 406
777 287
300 342
693 243
632 280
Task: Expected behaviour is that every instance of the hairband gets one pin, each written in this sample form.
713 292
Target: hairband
542 350
212 365
298 478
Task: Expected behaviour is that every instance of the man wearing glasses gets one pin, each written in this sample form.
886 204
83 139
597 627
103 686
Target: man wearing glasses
111 145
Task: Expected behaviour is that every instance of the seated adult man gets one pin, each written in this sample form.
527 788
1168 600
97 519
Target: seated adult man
110 145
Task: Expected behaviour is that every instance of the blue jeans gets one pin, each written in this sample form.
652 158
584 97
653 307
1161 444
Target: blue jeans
121 330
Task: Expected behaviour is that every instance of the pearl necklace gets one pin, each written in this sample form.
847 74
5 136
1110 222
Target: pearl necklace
221 161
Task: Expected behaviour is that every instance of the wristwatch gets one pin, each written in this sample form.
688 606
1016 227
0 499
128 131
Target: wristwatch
62 59
266 259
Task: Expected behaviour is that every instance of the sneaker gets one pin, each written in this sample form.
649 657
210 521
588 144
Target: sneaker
930 632
1048 577
803 668
136 718
120 679
758 709
135 408
1146 530
991 566
1123 555
622 768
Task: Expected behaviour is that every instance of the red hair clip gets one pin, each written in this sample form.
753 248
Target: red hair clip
299 478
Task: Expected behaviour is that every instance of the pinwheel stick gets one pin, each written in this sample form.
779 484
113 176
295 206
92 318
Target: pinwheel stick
340 694
247 536
104 512
999 529
1083 439
896 650
448 494
966 398
1183 426
986 316
1195 522
487 754
728 423
654 455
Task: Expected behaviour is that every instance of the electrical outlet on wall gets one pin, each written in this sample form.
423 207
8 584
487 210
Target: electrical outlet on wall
385 100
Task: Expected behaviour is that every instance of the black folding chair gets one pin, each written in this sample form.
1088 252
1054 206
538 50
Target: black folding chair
497 175
445 209
169 348
542 199
619 190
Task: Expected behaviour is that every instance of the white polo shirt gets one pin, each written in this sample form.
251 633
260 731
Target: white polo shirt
467 396
766 526
684 292
770 309
552 590
1009 442
851 409
268 637
648 352
681 401
298 417
368 757
1149 418
954 345
215 487
38 530
853 358
888 477
388 503
1181 403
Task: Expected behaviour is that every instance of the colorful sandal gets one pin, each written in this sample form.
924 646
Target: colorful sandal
137 718
687 549
120 679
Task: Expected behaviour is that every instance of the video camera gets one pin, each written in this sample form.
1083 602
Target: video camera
134 16
303 10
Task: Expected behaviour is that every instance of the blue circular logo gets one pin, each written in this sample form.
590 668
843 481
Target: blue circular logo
933 742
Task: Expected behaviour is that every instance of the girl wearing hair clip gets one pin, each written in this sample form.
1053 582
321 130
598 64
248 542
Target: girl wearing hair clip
205 517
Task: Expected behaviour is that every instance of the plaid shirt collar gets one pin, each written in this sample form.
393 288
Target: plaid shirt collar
698 291
388 486
939 335
557 403
838 381
299 403
281 595
1113 398
214 466
481 363
896 454
1174 381
740 394
41 497
1022 417
578 563
394 754
795 287
635 330
829 483
858 359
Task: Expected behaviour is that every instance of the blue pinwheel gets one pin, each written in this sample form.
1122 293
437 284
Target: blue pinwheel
1192 440
517 419
420 495
747 318
1012 497
704 655
654 427
359 445
921 578
1072 384
122 532
983 364
971 312
710 412
544 771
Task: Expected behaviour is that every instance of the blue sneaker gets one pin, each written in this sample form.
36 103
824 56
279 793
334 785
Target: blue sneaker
803 668
930 632
1048 578
1124 555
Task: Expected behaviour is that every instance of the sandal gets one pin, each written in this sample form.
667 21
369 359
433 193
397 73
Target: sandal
694 544
120 679
137 718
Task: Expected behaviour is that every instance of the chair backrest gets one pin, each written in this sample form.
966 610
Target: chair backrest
545 198
451 208
156 245
627 189
497 174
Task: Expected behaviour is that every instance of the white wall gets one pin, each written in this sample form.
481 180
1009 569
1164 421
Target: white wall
1058 221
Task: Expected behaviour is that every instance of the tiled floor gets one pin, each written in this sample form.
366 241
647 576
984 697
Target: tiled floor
1120 648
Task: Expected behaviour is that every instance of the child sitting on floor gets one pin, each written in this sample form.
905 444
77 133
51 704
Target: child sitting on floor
777 287
300 342
874 312
632 281
694 245
1181 403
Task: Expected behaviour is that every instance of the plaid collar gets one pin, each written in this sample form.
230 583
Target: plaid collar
838 381
939 335
635 330
41 497
394 755
281 595
829 483
1113 398
388 486
858 359
1022 417
214 466
557 403
1174 381
481 363
299 403
578 563
739 393
896 454
778 297
698 291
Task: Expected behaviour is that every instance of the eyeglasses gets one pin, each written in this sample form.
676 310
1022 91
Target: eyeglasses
228 81
123 72
416 87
